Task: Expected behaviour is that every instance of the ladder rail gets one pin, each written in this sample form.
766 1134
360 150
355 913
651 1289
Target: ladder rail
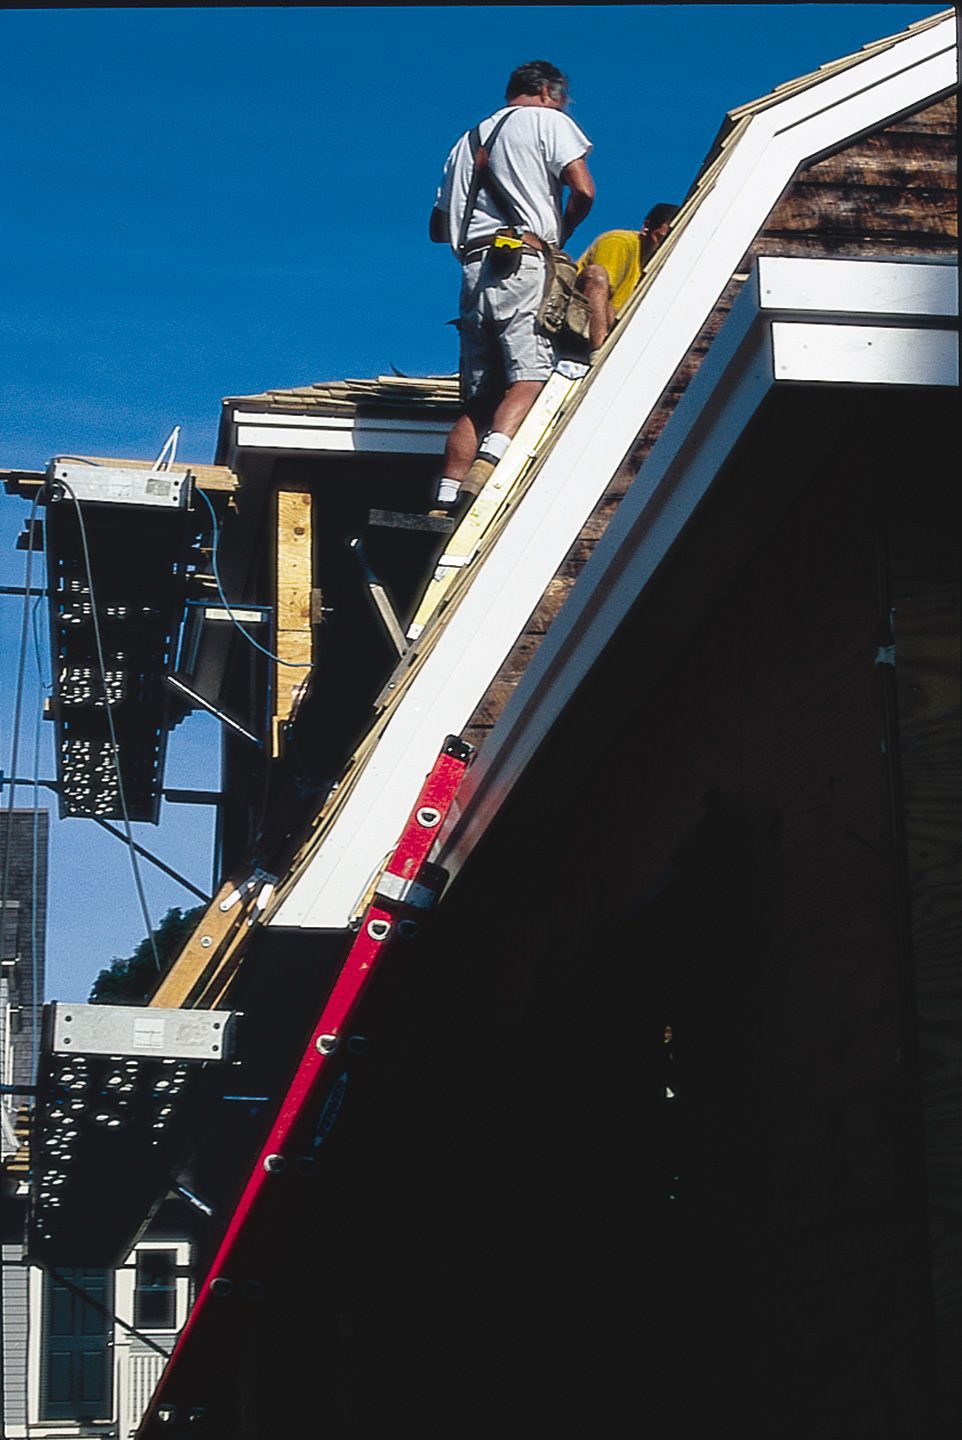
397 897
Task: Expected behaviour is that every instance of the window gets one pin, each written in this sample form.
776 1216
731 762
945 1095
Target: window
76 1357
155 1290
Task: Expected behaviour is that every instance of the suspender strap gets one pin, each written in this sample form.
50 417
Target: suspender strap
481 176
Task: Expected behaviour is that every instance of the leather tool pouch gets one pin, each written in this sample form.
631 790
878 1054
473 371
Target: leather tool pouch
564 311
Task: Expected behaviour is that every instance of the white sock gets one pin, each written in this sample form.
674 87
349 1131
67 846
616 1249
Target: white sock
448 491
494 445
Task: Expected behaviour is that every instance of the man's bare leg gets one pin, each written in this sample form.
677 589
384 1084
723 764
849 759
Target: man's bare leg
518 400
513 407
461 462
594 284
462 443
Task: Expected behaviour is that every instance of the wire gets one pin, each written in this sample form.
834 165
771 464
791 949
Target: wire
46 688
17 709
35 998
291 664
135 867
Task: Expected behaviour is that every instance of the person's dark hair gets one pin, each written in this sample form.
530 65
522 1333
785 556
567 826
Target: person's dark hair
660 215
528 79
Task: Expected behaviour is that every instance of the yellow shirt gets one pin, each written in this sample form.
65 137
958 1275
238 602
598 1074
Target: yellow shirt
619 252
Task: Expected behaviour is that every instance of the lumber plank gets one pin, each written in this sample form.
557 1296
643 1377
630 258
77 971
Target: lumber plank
402 520
203 952
294 634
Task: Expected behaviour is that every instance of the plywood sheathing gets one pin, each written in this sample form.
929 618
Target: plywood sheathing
888 194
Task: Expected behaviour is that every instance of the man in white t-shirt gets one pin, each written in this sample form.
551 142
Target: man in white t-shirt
533 151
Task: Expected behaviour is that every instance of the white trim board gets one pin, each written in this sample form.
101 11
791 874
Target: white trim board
347 434
743 366
614 404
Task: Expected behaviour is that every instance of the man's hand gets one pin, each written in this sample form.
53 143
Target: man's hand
440 227
581 194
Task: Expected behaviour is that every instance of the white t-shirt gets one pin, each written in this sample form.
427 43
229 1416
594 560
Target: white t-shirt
533 147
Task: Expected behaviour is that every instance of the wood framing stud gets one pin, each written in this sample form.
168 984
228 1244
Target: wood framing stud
296 604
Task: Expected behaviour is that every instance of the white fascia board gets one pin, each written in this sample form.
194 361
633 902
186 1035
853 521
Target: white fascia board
256 437
338 422
612 407
865 355
854 82
344 434
876 288
746 361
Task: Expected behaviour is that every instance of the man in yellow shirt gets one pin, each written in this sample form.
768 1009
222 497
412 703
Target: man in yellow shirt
610 269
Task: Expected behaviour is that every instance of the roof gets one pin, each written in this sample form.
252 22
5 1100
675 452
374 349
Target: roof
739 185
391 414
396 392
743 113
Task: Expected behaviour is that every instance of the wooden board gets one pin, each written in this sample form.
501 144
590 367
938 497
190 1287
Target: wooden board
207 948
294 635
208 477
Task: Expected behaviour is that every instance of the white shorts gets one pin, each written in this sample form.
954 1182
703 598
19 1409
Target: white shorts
500 341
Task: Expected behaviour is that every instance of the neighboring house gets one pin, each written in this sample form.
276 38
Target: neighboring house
23 927
24 838
657 1125
68 1369
72 1370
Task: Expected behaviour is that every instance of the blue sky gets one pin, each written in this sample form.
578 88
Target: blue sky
210 202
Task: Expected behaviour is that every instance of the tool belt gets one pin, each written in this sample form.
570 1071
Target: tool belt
504 249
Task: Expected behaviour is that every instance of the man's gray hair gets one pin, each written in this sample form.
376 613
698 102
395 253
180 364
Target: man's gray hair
530 79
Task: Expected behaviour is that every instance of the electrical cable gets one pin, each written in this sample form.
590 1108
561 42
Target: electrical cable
17 715
291 664
35 907
15 745
46 688
135 867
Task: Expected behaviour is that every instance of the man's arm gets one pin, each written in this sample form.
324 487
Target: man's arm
581 194
440 227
